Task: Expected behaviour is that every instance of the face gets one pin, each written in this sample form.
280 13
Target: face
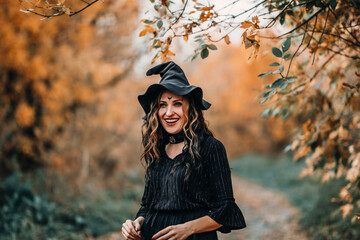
172 113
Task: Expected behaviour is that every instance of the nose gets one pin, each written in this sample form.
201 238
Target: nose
169 111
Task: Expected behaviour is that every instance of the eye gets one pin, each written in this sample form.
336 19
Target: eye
178 104
162 105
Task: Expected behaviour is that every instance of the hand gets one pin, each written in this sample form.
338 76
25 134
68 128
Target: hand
175 232
130 229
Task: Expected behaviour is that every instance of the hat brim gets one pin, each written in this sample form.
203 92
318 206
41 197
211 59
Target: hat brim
153 90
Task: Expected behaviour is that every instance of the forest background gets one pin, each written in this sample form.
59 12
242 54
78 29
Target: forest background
70 121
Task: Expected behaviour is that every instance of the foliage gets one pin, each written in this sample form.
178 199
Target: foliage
320 217
318 80
52 75
26 214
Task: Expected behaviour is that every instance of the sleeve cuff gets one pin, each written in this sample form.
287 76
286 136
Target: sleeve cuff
228 214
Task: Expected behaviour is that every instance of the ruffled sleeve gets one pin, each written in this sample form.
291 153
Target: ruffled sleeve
144 205
223 207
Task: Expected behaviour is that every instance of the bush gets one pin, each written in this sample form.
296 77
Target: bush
26 214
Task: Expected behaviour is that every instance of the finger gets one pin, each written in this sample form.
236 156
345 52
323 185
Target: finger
162 232
166 236
129 237
126 234
137 226
131 231
134 228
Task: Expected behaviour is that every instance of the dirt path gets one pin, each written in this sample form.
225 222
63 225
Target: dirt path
268 214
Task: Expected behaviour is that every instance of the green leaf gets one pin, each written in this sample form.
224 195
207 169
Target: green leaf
287 56
277 52
333 4
274 64
283 85
264 74
195 56
291 79
281 68
204 53
148 22
286 45
159 24
277 71
157 6
267 95
277 83
212 47
282 18
266 113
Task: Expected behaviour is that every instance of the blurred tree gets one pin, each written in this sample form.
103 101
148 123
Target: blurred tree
53 75
318 80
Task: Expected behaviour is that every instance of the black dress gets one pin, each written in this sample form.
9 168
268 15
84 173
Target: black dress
169 199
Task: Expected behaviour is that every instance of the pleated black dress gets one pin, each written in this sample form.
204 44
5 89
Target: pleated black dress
169 199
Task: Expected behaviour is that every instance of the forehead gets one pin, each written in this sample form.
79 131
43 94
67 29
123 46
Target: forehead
167 94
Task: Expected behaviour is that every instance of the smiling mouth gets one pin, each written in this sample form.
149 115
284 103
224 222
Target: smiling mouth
171 120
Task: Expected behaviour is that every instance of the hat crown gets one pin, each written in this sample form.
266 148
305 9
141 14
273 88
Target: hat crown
174 80
170 72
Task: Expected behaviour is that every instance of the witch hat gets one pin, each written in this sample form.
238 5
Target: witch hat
173 79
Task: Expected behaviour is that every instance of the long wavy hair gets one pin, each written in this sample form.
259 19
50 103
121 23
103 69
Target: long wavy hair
195 130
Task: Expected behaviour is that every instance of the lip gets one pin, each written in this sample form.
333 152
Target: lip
171 121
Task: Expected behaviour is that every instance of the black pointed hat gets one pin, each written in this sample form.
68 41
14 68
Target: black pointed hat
173 79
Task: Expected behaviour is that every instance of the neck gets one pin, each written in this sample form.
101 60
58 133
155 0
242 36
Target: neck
175 138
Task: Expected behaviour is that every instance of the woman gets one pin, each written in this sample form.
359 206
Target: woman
188 192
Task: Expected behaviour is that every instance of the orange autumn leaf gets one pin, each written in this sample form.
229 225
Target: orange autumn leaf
143 32
246 24
170 53
227 39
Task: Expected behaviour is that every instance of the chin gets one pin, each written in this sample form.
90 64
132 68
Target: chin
172 131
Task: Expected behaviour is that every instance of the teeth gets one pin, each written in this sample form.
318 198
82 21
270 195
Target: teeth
171 121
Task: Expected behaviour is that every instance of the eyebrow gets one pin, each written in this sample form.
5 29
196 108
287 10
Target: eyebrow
175 100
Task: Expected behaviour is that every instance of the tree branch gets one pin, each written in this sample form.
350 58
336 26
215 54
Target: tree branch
303 23
89 4
182 12
322 66
272 22
317 45
287 73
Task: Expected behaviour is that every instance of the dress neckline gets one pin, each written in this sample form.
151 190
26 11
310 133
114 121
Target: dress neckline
167 156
